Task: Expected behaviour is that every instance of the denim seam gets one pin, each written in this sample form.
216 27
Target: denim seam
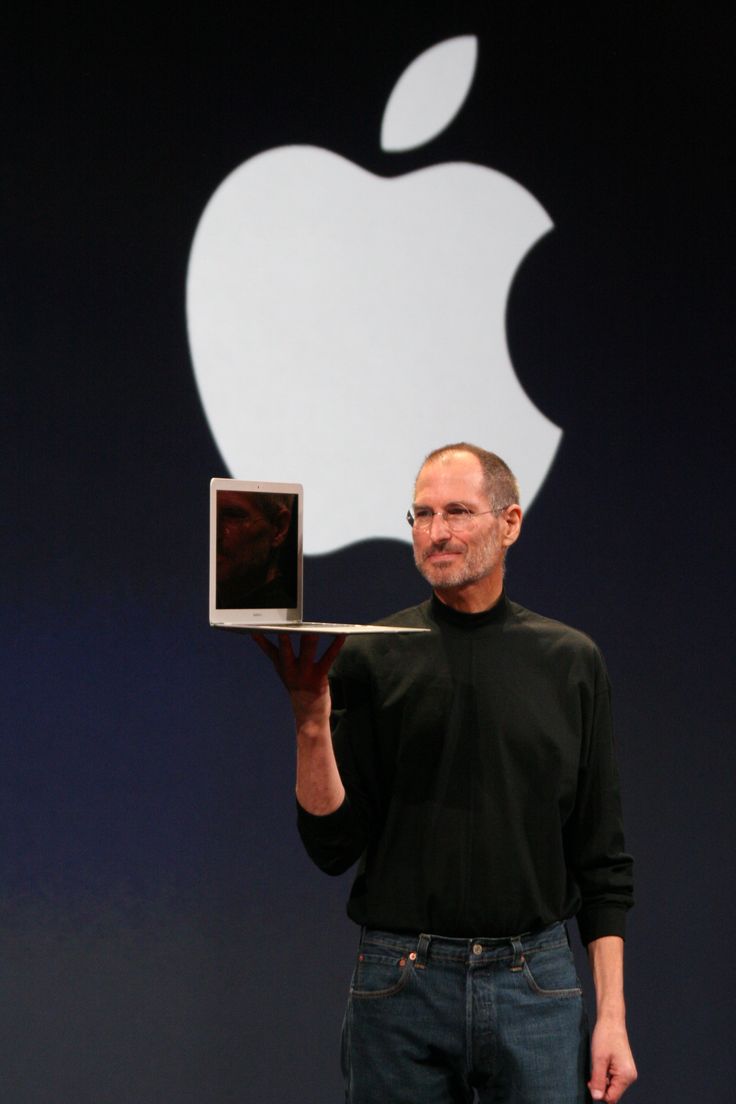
390 991
539 991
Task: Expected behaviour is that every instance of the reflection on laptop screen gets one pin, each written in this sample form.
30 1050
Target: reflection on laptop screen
257 550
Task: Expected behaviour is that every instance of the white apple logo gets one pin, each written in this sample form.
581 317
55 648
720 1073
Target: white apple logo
342 324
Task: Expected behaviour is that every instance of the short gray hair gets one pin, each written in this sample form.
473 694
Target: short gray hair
501 484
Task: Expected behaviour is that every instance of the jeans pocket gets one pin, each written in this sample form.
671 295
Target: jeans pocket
552 973
379 974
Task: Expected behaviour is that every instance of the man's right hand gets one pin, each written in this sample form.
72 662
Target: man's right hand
319 788
304 676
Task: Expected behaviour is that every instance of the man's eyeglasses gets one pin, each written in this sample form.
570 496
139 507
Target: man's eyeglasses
456 518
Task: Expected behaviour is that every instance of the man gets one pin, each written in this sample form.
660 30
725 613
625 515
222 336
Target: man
471 771
252 531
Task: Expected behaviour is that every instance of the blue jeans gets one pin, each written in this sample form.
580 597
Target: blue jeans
432 1020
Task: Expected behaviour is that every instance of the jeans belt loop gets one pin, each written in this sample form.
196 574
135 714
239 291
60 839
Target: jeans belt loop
518 962
422 951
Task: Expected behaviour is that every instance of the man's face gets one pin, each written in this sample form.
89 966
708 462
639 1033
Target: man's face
449 560
246 539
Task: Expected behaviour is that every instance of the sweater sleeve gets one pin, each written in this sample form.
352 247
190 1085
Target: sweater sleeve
594 835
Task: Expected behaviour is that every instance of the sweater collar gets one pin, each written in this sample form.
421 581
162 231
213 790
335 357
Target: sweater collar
449 616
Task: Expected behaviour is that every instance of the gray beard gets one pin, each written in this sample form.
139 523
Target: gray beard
476 566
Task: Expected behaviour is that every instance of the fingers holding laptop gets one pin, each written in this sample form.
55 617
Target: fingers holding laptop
302 672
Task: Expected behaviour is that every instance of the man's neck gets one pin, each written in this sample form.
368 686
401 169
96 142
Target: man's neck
474 597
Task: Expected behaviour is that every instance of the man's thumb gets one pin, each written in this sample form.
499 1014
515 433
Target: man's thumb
598 1079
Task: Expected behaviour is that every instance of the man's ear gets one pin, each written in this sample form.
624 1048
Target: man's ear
281 526
511 520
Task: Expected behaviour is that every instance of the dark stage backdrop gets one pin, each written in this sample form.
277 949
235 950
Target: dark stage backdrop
162 936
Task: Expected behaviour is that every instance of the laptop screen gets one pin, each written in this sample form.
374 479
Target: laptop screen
255 551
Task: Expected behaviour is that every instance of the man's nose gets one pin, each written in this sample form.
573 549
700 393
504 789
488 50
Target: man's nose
438 527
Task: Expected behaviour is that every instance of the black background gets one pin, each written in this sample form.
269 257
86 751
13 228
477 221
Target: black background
162 937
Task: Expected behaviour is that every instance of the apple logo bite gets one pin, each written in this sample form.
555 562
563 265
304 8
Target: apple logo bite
341 324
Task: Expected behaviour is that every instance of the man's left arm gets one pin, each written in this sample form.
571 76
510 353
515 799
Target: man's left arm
612 1063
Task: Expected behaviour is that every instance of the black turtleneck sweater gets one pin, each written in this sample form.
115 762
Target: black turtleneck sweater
481 790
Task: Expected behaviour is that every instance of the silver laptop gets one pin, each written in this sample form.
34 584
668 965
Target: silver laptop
256 561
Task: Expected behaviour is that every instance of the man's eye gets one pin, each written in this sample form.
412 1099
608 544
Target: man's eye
457 511
422 515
